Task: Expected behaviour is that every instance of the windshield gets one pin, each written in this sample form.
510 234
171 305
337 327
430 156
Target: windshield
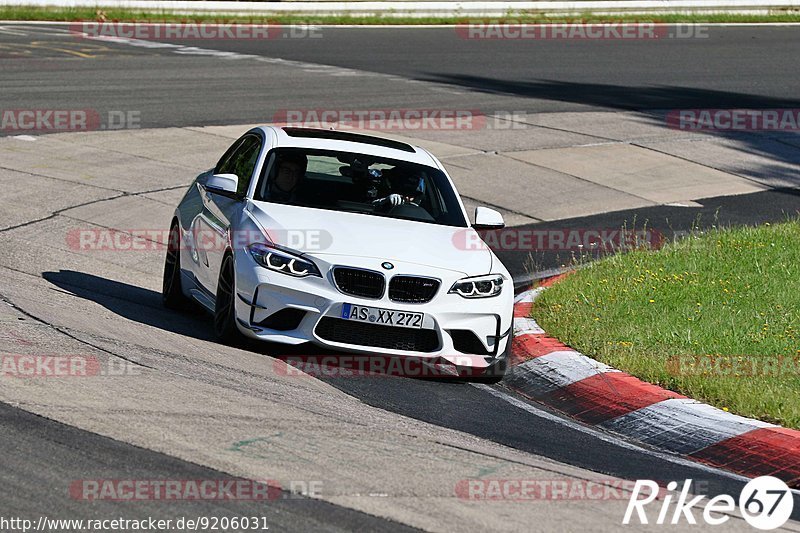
359 183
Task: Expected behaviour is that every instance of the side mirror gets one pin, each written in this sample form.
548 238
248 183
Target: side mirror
488 219
223 184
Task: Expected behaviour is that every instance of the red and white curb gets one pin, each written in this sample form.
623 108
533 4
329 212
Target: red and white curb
545 370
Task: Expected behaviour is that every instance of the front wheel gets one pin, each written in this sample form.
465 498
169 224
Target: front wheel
225 327
171 290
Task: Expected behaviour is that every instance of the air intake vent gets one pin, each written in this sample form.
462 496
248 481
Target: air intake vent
465 341
377 336
283 320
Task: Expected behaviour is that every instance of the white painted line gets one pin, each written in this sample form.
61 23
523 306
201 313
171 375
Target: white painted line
681 425
555 371
11 31
194 50
329 70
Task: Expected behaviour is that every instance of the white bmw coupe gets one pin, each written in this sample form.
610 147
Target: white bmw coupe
347 241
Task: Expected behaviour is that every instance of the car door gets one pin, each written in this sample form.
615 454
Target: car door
219 210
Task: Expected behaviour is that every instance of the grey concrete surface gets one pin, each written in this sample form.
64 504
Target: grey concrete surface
762 160
639 172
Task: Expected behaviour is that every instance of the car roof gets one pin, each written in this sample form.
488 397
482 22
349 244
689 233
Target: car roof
345 141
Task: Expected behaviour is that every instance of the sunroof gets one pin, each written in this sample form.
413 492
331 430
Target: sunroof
313 133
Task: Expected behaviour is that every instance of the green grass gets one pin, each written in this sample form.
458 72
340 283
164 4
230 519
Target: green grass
729 295
127 15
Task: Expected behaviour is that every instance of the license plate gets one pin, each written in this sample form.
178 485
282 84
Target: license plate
385 317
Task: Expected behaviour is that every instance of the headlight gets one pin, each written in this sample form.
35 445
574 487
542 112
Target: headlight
479 286
281 261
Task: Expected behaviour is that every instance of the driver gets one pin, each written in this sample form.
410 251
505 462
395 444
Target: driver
368 183
406 188
289 172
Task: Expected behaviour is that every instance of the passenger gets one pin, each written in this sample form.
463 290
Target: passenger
290 171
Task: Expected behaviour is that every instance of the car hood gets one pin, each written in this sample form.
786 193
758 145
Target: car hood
323 232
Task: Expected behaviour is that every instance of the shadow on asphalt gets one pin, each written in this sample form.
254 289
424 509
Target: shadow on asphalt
668 222
131 302
616 96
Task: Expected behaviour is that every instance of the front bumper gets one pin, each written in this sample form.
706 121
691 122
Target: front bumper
464 332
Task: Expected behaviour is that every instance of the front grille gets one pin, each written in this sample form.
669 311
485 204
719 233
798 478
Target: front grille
363 283
412 289
377 335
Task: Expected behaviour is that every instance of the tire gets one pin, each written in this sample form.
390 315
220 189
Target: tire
225 328
171 289
496 372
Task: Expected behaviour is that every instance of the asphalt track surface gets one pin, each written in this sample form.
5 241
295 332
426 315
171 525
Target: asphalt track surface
79 452
396 68
734 67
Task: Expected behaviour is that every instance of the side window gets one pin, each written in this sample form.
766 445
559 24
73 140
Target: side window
241 160
224 165
246 162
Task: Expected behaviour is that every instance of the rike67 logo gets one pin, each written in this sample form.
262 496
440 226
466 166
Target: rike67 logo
765 503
